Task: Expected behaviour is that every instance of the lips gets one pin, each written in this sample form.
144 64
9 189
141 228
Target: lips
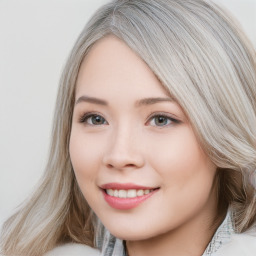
126 196
124 186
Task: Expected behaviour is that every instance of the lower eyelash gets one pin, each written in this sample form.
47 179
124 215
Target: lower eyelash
84 119
176 121
85 116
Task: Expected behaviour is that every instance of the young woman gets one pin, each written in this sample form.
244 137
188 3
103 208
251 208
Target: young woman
154 140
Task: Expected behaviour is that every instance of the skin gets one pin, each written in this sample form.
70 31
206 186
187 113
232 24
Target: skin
130 145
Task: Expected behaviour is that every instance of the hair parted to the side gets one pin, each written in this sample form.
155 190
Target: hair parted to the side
205 62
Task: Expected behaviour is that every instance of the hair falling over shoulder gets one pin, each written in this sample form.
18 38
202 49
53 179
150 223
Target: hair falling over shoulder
213 79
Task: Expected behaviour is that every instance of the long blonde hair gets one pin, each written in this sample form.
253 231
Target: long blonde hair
206 63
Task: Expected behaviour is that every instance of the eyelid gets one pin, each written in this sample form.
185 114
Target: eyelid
82 118
174 119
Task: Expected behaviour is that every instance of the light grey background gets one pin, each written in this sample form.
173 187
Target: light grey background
35 39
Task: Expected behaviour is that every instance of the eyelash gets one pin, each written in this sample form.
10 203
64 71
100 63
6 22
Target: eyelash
168 117
172 121
84 118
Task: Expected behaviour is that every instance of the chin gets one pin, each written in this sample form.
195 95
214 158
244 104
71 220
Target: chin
134 232
127 236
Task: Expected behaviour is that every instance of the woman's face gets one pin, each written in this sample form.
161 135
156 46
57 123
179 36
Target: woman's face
135 156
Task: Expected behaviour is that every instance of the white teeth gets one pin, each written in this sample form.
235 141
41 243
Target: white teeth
116 193
111 192
122 194
146 191
130 193
140 192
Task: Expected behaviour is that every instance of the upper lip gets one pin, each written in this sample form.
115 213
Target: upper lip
124 186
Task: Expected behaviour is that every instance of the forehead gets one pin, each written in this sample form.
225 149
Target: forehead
111 65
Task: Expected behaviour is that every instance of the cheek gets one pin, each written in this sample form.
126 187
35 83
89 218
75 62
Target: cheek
187 177
179 159
85 160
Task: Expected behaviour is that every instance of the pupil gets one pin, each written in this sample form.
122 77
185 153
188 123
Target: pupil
97 120
161 120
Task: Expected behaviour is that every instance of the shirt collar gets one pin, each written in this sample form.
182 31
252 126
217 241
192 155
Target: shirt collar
111 246
221 236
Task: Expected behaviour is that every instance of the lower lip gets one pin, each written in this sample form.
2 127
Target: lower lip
126 203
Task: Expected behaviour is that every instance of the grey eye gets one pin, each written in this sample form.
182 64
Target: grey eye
160 121
96 120
93 119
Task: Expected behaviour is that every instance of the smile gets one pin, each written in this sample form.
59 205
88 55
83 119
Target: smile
126 196
131 193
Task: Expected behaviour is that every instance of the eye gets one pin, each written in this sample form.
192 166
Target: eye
93 119
162 120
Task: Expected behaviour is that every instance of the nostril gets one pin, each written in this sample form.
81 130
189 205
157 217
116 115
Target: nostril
124 166
130 165
120 160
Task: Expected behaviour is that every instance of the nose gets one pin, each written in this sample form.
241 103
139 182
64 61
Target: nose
124 151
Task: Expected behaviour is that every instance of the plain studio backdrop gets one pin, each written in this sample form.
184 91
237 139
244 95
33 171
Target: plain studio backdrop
36 37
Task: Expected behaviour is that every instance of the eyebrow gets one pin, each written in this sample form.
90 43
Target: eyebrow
91 100
139 103
150 101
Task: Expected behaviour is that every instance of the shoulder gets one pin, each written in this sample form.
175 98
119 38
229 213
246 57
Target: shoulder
74 250
240 245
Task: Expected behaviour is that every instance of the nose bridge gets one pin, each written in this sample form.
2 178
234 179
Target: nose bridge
124 135
123 140
123 150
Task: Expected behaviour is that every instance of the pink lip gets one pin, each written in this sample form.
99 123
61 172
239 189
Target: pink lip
125 203
124 186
